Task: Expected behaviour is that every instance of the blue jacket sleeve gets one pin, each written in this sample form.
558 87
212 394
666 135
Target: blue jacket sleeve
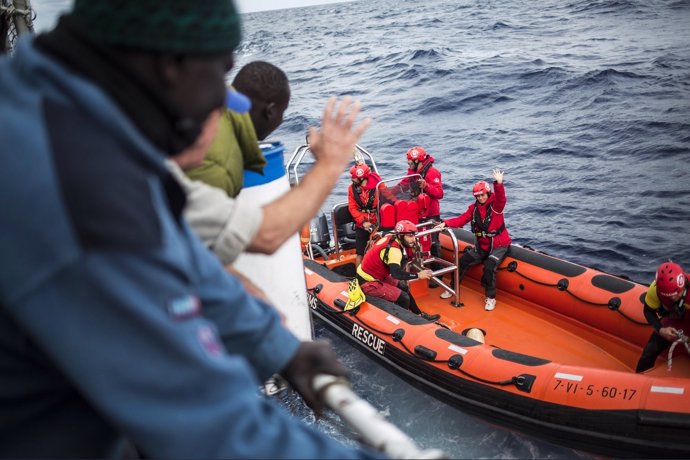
147 360
247 326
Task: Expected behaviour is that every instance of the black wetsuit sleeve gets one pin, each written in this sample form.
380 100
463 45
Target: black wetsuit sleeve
399 274
652 318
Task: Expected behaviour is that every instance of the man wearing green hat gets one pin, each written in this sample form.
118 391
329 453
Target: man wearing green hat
116 325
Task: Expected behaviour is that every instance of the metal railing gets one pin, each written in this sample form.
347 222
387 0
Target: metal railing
446 266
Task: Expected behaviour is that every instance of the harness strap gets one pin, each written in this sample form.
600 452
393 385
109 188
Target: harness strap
387 250
498 231
480 227
424 170
369 206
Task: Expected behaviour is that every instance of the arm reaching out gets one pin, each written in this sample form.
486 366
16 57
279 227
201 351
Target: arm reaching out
332 146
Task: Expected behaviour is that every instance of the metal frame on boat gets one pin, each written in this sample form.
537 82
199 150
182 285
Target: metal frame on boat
559 354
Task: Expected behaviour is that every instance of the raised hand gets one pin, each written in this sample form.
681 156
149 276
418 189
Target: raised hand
335 140
497 175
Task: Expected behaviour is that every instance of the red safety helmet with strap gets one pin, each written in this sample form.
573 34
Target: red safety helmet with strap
481 187
670 279
360 171
405 226
416 153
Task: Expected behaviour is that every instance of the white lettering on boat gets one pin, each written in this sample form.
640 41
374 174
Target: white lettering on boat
313 301
344 294
457 349
308 272
368 338
669 390
574 378
393 319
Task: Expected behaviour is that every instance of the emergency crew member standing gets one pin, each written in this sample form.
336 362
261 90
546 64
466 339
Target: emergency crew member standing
420 162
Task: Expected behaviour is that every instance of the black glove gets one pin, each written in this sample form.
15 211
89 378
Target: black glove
311 359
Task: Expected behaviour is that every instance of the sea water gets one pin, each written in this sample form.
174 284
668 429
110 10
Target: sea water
584 104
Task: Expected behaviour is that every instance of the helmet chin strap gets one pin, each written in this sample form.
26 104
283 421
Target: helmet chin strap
679 305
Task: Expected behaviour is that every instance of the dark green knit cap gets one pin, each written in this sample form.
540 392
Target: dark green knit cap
177 26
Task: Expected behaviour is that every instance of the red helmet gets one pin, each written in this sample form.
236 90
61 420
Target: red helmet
670 279
481 187
416 153
360 171
405 226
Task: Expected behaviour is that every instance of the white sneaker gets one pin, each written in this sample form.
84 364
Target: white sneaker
490 304
446 295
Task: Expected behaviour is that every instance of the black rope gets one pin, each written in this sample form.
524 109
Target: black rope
597 304
528 278
411 352
501 383
632 320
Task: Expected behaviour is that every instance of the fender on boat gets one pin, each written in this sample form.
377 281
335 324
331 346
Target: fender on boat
592 400
575 291
280 275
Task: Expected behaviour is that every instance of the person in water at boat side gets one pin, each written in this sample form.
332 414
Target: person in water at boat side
382 272
492 238
430 183
666 306
363 202
116 323
236 147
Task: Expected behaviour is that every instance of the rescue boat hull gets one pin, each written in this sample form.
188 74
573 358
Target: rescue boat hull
558 359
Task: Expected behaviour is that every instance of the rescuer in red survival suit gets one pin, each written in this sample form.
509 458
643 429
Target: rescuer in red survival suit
430 184
362 202
381 272
488 226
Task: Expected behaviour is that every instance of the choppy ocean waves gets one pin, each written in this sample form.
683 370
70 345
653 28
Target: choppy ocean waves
583 104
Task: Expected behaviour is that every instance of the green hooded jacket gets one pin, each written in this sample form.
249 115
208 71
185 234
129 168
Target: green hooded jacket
234 149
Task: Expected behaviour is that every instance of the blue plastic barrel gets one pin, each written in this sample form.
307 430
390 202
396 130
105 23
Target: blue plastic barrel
274 166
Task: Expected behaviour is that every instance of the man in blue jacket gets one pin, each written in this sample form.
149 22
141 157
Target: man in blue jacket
117 325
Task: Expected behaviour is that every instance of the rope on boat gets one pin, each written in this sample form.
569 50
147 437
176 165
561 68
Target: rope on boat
515 380
563 287
682 338
14 22
372 427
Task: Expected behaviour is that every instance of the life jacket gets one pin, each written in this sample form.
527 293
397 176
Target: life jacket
425 169
415 190
480 227
398 244
375 264
367 207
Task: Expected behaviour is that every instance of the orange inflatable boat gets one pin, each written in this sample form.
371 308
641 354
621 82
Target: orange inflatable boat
556 357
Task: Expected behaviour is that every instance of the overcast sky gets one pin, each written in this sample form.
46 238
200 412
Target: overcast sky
248 6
